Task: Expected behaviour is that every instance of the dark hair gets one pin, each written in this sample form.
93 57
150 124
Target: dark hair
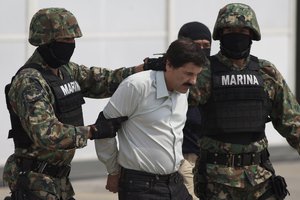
183 51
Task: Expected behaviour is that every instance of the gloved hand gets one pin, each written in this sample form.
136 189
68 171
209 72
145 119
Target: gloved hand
106 128
157 64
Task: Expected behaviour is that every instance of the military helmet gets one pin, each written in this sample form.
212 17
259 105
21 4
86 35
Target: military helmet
236 15
49 24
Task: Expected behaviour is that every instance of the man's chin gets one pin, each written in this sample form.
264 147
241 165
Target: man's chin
183 90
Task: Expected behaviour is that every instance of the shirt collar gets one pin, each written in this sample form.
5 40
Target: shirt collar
161 87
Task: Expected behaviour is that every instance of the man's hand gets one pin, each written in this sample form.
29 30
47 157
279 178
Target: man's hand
106 128
112 183
157 64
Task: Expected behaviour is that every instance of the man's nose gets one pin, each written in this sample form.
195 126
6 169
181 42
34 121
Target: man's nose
193 80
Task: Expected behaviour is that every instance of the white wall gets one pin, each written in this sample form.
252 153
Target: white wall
121 33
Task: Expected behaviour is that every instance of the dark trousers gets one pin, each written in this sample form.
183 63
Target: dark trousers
138 185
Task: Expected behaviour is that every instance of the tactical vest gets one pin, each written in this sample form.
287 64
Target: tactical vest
67 107
238 107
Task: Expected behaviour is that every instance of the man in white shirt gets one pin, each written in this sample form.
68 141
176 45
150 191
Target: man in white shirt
200 34
150 142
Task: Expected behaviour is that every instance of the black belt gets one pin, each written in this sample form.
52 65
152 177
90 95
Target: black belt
27 164
235 160
157 177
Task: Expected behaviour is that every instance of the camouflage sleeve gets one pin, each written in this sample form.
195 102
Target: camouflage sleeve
285 111
200 93
96 82
32 101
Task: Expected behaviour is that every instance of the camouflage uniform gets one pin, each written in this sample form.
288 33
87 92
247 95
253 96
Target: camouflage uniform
32 99
246 182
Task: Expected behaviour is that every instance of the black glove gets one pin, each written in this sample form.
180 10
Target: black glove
157 64
106 128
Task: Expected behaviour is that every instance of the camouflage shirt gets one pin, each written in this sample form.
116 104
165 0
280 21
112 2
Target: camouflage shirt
32 100
285 115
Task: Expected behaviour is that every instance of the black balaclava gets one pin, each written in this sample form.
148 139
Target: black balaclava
56 53
235 45
196 31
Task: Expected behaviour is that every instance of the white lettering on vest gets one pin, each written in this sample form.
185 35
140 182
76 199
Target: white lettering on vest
239 79
70 88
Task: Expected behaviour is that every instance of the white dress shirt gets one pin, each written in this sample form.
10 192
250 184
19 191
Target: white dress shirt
151 139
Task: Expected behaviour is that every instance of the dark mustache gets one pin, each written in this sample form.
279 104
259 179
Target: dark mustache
188 84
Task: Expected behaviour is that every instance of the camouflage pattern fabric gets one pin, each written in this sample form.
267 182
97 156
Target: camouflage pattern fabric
217 191
54 142
284 114
52 23
236 15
